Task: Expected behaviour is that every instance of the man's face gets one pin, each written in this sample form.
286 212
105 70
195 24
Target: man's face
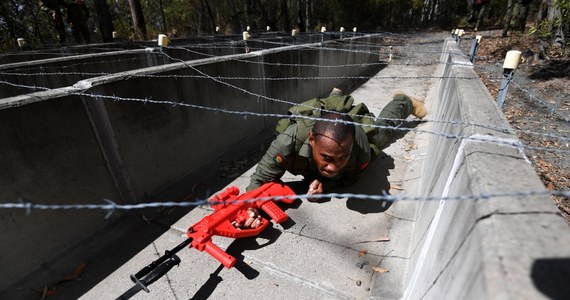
330 156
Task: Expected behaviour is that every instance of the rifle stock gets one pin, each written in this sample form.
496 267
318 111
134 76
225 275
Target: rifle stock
228 206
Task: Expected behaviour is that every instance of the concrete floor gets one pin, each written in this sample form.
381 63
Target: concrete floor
325 251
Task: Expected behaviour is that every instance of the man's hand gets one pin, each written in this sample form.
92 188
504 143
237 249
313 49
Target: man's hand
252 222
316 187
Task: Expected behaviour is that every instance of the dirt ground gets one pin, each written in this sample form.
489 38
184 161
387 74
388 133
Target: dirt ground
537 103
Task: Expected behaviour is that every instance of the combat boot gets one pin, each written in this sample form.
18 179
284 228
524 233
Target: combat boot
419 107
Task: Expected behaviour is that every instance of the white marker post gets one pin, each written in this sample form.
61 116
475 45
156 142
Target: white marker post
246 37
294 34
163 40
22 43
512 61
460 34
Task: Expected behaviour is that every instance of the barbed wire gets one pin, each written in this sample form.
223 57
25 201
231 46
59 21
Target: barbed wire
174 103
112 207
254 78
517 83
290 103
7 68
25 86
553 110
293 104
514 144
425 120
298 78
234 44
338 66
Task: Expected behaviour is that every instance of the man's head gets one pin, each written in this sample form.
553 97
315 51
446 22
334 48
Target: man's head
331 142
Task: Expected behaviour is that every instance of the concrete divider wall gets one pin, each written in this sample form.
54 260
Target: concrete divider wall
49 155
479 248
61 146
43 70
38 54
60 72
27 54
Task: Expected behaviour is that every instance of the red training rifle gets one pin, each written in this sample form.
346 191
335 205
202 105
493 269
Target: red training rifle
231 211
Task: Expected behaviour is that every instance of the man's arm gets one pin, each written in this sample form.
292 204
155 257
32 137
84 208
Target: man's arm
274 163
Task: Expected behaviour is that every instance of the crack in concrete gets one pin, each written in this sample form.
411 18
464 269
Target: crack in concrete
301 280
477 221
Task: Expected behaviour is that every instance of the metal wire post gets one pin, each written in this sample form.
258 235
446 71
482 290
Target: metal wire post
507 77
512 60
474 46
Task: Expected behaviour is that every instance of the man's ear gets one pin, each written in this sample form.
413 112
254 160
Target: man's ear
311 138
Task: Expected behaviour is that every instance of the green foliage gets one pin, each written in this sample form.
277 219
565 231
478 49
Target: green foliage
22 18
546 27
543 29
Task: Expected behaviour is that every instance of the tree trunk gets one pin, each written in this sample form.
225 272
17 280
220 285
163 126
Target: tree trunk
299 14
285 15
430 11
138 19
211 16
104 20
308 10
508 18
164 28
549 11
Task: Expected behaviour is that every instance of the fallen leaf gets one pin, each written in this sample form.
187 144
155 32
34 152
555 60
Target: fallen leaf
76 273
362 253
382 239
550 186
47 292
380 269
396 187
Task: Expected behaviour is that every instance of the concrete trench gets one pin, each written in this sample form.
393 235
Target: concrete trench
149 139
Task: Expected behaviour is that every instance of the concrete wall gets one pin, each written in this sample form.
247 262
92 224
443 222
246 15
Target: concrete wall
484 248
64 146
34 71
64 71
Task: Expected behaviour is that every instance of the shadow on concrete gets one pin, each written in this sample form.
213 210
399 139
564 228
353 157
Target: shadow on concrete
398 134
366 206
374 181
302 187
131 232
550 276
236 249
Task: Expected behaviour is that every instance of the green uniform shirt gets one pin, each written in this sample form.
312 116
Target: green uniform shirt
283 156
